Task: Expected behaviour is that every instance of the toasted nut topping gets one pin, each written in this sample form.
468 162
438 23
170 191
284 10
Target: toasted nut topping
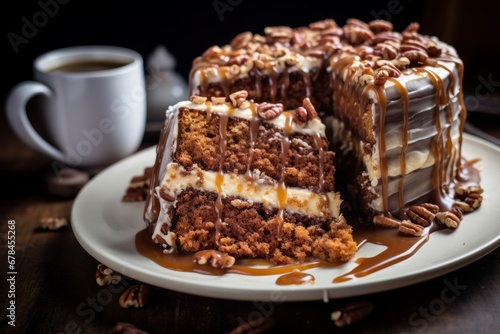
300 116
106 276
237 98
311 111
409 228
468 198
351 313
382 220
197 99
241 40
135 296
53 223
218 100
269 111
380 25
216 258
381 77
422 214
448 218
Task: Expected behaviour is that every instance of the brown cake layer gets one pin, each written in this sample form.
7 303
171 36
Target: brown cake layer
199 143
250 230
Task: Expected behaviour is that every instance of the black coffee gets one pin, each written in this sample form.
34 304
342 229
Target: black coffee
87 66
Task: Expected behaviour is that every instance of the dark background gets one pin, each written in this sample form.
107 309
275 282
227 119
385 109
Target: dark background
187 28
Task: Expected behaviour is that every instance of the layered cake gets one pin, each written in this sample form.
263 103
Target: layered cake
391 100
238 174
247 179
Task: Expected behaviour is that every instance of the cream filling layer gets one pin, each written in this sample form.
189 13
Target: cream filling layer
257 190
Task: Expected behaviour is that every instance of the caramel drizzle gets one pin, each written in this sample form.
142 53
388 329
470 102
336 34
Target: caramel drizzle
437 147
382 102
281 190
219 178
254 134
404 141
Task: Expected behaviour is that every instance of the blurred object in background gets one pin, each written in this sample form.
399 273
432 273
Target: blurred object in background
164 86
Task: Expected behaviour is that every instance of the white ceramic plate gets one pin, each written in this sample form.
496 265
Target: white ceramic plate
106 228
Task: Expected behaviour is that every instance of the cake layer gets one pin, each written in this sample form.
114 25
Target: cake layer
268 167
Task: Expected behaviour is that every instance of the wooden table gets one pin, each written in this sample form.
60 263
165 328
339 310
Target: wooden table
56 291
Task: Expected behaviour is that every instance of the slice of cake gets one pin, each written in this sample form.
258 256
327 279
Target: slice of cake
247 179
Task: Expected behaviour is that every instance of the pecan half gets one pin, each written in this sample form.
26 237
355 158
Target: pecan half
300 116
422 214
53 223
351 313
215 258
415 56
381 77
311 111
409 228
384 221
269 111
448 218
135 296
380 25
386 50
106 276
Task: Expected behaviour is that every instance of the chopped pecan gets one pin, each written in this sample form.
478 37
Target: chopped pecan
269 111
469 198
351 313
448 218
106 276
135 296
53 223
409 228
300 116
197 99
218 100
237 98
385 221
391 69
412 27
215 258
241 40
422 214
357 34
381 77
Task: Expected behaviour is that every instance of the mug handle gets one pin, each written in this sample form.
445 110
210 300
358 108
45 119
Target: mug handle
16 115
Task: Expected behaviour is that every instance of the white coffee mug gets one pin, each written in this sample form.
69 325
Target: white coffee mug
94 105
